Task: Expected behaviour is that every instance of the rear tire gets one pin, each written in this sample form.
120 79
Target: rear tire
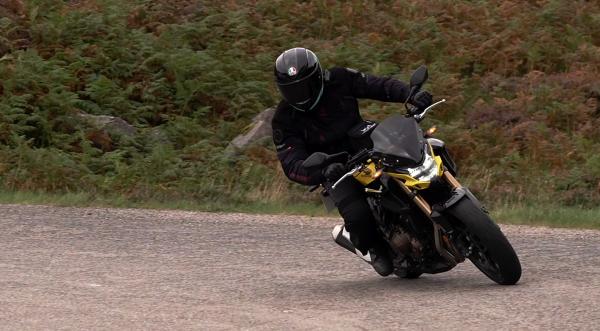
486 245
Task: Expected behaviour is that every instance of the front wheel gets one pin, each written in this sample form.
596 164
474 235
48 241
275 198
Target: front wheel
484 243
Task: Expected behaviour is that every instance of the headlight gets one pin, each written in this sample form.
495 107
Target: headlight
426 171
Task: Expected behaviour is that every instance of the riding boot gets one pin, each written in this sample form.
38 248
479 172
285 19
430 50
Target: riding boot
377 256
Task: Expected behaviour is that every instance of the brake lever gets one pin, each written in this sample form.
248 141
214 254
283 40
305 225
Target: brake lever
420 116
348 174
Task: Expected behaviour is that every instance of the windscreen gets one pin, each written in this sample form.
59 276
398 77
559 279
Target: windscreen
400 140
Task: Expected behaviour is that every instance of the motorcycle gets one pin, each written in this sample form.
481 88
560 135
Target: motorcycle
429 220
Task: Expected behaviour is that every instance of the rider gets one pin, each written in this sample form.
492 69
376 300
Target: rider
318 109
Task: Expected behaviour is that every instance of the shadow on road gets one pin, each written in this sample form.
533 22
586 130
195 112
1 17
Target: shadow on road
426 284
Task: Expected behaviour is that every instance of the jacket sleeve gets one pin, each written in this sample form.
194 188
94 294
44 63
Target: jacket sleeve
377 88
291 152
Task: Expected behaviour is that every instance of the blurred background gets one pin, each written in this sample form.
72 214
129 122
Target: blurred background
137 101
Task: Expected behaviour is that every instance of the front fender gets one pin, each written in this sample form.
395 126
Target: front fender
457 195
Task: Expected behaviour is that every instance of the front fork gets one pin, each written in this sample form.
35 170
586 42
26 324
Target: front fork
419 201
443 243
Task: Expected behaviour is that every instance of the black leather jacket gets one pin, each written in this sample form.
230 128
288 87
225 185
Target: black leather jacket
298 134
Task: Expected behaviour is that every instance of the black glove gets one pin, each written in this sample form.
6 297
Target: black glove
334 171
421 101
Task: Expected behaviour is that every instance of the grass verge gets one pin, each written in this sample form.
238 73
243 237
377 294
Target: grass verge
88 200
547 215
538 215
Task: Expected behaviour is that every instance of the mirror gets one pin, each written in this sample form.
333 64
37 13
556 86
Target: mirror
315 160
419 77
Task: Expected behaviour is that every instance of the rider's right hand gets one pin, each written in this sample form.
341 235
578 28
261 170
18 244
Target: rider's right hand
334 171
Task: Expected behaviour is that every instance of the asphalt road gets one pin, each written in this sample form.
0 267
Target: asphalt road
116 269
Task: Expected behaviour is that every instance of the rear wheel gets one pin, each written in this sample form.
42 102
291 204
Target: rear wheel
484 243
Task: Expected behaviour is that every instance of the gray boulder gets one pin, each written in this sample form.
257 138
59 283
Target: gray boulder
259 132
112 124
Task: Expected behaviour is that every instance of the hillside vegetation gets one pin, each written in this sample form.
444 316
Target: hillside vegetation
521 77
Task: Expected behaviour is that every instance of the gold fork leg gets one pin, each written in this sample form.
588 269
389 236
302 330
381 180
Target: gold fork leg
451 180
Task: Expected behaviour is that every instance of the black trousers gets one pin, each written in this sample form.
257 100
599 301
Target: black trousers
351 202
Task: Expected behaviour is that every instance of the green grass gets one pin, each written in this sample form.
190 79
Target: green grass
546 215
87 200
536 215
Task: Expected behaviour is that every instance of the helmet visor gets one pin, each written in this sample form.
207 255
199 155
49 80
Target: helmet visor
303 93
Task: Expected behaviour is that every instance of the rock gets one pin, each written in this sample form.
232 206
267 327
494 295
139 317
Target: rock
112 124
260 132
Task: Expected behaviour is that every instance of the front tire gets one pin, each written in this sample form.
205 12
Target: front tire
485 244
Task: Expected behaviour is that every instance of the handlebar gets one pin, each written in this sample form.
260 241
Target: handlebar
356 161
419 117
348 174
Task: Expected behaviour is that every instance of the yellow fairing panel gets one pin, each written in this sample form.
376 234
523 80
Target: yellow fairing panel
369 173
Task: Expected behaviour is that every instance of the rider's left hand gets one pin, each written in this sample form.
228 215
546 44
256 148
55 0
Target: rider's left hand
421 101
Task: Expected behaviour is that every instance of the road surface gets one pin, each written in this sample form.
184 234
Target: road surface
120 269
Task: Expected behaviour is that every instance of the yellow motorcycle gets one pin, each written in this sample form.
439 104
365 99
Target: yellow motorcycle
429 220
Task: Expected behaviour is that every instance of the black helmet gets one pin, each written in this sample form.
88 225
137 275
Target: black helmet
299 78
